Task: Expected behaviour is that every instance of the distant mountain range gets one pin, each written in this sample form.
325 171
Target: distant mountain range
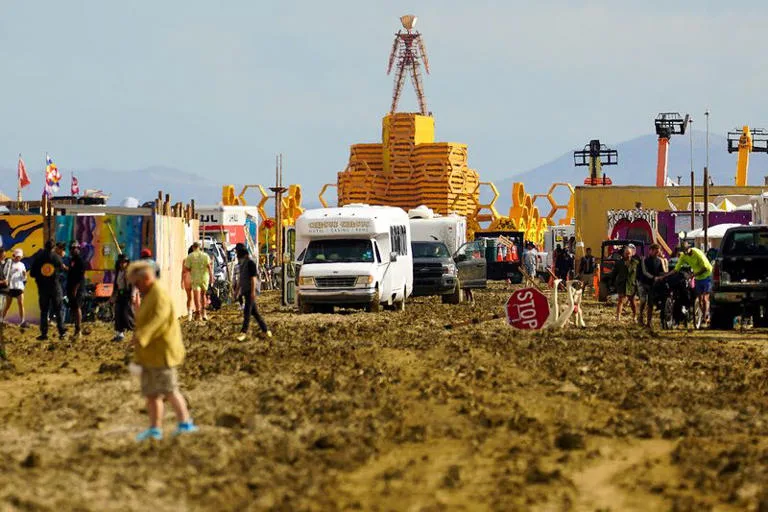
637 165
143 184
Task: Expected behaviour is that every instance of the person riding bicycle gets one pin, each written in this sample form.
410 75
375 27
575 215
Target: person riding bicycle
702 273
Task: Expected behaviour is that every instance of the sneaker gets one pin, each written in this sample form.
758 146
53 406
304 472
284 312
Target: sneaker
76 335
119 337
22 325
151 433
267 334
42 338
186 427
189 316
62 335
241 337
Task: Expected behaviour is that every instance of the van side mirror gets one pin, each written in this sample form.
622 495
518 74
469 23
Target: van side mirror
393 256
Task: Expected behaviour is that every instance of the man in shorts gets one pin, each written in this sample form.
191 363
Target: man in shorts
75 283
200 269
702 273
159 351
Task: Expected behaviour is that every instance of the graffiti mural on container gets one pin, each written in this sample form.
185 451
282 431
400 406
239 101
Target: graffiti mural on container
24 232
96 235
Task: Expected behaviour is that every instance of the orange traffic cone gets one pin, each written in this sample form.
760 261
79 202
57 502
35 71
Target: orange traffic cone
512 253
499 256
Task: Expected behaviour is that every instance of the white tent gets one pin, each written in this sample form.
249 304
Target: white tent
716 232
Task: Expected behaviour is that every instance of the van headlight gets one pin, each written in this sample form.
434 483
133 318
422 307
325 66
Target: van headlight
306 281
449 268
364 280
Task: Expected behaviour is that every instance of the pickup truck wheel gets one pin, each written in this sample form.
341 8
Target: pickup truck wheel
455 297
602 292
759 322
305 309
721 320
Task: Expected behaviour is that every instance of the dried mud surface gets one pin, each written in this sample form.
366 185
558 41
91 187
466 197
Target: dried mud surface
393 412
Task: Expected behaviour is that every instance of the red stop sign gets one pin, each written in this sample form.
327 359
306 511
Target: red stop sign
527 309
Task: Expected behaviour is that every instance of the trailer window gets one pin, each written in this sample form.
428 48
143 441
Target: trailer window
399 240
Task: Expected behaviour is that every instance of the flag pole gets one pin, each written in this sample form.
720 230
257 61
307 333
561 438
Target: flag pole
18 182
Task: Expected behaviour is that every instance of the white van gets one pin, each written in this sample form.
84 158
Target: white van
353 256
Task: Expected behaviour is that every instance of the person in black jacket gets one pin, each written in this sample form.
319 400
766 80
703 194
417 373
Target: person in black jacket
76 285
45 270
651 268
247 289
122 298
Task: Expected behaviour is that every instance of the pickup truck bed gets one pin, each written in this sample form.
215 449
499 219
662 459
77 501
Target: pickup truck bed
740 277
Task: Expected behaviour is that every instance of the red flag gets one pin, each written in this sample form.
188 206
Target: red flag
23 178
75 189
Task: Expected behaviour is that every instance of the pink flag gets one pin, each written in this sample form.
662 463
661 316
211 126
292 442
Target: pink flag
75 186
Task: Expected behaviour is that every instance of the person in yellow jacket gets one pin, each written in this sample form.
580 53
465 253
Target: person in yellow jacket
159 350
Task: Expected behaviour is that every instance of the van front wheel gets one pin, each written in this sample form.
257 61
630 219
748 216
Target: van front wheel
400 304
373 306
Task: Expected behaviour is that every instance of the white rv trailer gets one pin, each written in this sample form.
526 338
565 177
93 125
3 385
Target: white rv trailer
427 226
353 256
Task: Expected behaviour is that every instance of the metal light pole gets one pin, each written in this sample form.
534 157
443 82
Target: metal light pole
690 133
693 185
706 190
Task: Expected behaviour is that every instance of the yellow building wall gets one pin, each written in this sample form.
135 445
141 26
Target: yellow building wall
592 204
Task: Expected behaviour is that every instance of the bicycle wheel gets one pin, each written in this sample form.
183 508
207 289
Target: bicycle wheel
667 314
697 314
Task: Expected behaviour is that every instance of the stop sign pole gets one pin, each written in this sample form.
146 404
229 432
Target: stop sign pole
527 309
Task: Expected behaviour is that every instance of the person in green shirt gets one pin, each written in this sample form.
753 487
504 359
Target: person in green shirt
702 273
200 268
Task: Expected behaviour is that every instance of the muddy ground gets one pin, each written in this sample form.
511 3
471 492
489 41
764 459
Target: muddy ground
391 411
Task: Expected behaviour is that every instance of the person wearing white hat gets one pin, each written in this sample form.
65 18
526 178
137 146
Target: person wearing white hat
17 280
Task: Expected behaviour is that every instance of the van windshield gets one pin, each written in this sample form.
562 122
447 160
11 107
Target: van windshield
339 251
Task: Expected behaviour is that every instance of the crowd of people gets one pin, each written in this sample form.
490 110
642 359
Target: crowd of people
140 306
635 279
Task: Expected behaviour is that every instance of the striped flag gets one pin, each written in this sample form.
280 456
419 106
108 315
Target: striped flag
75 189
23 176
52 177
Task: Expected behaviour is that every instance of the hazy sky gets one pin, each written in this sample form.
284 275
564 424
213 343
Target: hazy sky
218 87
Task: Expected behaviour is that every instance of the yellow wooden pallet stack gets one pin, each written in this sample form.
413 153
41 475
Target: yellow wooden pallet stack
409 169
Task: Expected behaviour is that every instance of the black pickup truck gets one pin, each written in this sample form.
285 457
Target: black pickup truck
740 278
